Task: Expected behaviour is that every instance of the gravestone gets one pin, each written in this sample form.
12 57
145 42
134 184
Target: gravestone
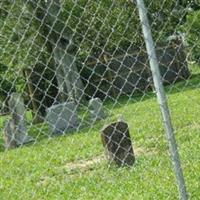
15 132
96 111
70 86
62 118
9 135
117 142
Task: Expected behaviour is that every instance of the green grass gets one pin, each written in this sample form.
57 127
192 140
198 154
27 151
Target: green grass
38 171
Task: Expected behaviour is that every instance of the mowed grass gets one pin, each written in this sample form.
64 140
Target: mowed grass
41 170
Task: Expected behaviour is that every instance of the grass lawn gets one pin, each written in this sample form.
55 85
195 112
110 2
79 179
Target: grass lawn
43 170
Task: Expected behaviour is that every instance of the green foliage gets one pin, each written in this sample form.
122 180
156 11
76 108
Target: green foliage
107 26
95 27
191 28
20 43
98 27
6 85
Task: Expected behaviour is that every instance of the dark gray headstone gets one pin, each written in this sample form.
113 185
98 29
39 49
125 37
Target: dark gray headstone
117 142
62 118
96 110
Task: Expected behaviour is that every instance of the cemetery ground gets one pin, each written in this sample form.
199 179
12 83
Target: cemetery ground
72 166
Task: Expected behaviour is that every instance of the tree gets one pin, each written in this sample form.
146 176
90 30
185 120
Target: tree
63 34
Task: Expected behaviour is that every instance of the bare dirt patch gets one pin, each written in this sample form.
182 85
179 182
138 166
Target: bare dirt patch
82 165
77 168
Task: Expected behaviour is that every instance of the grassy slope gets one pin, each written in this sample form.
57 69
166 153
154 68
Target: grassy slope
37 172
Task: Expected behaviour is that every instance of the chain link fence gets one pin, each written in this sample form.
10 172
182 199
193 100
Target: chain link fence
99 99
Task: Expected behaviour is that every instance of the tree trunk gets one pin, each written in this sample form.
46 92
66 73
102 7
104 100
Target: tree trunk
37 115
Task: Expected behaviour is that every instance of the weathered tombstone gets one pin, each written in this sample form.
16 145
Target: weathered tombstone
15 132
96 110
62 118
70 85
9 135
117 142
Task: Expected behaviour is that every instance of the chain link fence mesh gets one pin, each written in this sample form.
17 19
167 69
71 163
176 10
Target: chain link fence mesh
79 117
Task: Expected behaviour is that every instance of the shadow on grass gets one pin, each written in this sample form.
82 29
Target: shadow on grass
193 82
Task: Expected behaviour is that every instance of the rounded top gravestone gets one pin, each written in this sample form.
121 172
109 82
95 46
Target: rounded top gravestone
62 118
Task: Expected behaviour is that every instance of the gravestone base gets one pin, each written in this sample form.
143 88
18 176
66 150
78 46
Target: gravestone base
23 138
62 118
8 135
13 137
117 143
37 119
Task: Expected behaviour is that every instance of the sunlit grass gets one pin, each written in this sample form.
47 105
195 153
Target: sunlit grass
38 171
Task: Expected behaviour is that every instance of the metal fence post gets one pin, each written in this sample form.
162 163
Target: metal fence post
162 99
